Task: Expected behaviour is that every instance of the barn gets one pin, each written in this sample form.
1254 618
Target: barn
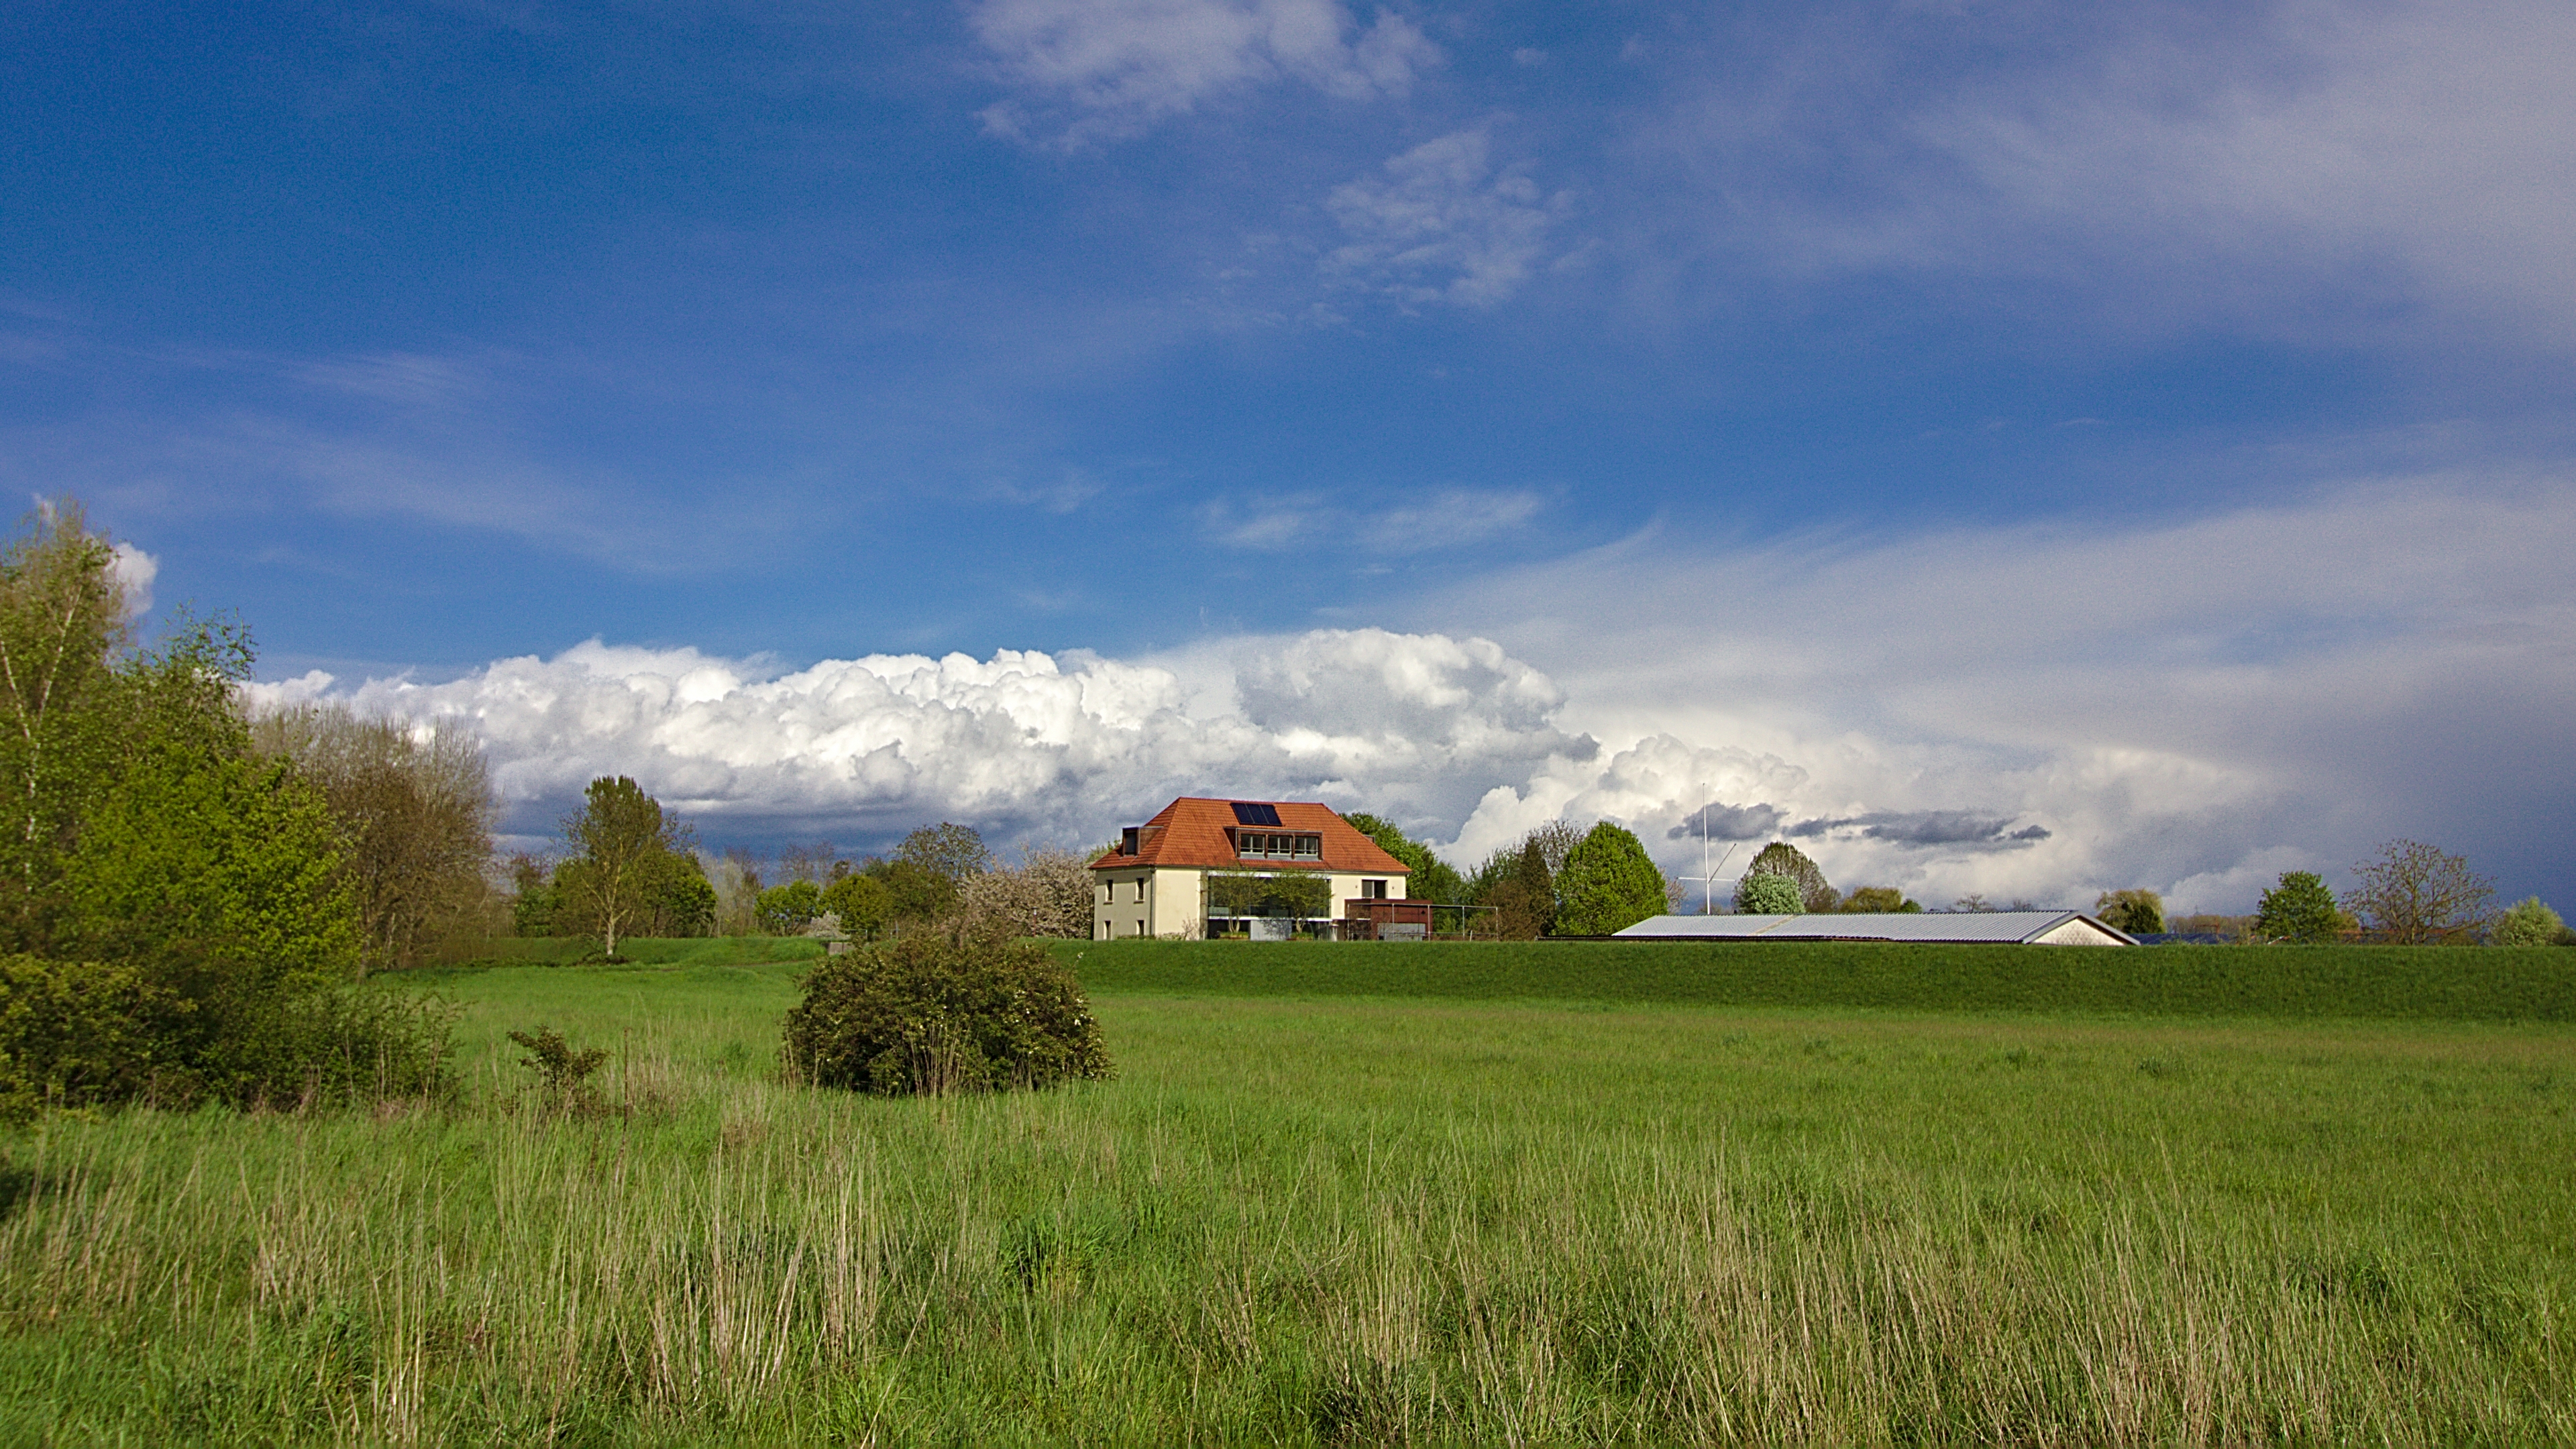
1988 928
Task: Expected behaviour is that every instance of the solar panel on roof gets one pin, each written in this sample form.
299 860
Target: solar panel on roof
1255 814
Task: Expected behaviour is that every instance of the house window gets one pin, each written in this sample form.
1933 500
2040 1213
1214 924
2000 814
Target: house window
1372 890
1262 845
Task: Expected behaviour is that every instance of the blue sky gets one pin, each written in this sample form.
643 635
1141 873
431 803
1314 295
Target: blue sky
2145 425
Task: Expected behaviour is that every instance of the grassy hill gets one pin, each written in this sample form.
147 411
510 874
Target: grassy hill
2400 982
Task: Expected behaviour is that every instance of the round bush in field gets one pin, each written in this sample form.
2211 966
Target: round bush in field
943 1011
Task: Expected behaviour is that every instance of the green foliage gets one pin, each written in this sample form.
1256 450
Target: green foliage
2299 909
2529 923
1522 890
679 900
1879 900
2138 912
80 1033
1294 894
864 903
787 909
414 810
918 892
1431 878
949 851
622 859
563 1074
1609 883
532 899
939 1012
1782 859
64 707
185 927
1768 895
217 854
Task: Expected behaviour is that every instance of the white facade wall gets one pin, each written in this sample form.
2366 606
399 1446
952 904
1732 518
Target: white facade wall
1172 901
2078 932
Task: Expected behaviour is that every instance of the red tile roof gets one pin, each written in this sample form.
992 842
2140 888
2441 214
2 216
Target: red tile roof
1191 833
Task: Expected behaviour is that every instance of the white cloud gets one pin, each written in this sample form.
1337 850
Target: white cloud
1117 66
1440 224
2039 712
2178 706
1439 518
134 570
1019 743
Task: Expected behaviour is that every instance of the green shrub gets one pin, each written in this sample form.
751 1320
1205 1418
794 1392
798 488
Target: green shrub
178 1029
2529 924
784 910
2138 912
943 1011
1608 884
563 1074
1769 895
2300 908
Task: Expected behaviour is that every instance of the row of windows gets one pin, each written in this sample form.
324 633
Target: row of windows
1254 845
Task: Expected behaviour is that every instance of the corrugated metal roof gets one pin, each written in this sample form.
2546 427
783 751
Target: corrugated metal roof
1966 927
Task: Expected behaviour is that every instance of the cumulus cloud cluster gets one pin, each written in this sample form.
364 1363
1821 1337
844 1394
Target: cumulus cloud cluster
1022 744
1108 68
2039 712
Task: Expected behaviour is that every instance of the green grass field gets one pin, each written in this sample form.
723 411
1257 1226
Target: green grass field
1319 1208
2284 982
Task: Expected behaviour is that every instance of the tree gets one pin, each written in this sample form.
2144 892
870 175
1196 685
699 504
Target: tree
949 851
63 617
614 837
414 805
2414 894
1430 878
1780 858
1522 893
864 904
1768 895
1047 894
1886 899
2138 912
2300 909
788 909
2528 924
1609 884
919 892
532 897
679 900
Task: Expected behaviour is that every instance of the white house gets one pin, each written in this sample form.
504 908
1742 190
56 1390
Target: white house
1171 875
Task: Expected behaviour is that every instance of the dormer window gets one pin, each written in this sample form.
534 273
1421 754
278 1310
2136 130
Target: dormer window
1266 845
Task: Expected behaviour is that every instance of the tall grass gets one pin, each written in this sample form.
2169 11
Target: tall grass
1314 1222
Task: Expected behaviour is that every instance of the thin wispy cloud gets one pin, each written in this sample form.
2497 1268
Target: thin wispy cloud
1442 223
1350 522
1094 70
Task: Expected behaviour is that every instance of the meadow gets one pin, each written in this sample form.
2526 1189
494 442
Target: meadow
1343 1198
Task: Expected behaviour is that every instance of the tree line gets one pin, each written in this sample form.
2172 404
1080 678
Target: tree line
629 868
